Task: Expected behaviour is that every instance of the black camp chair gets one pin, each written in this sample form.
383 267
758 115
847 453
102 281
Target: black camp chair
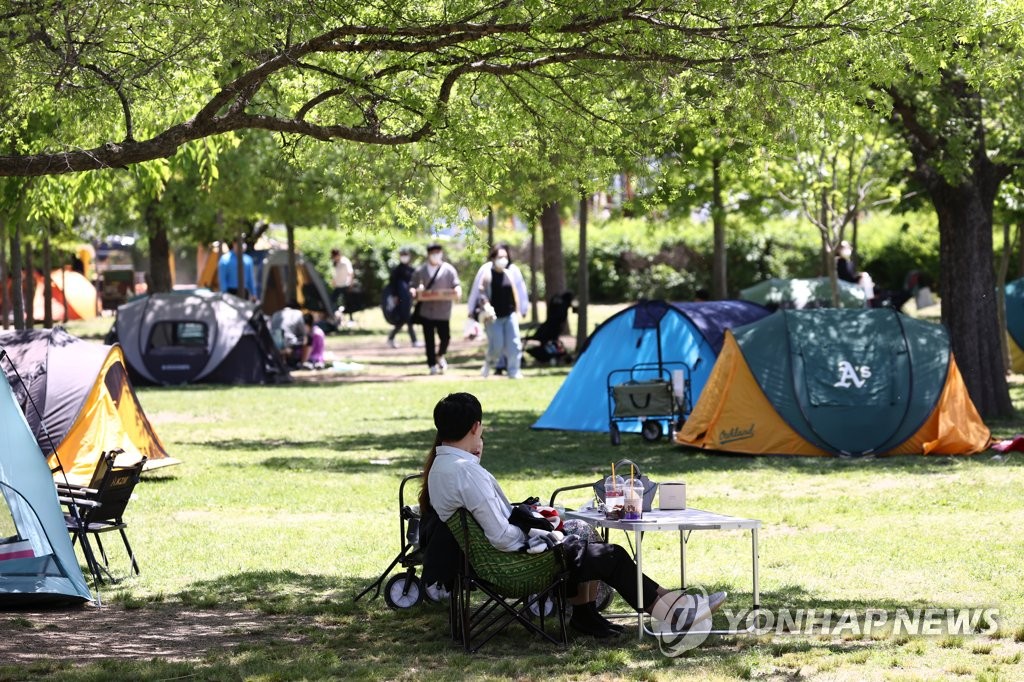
99 508
544 343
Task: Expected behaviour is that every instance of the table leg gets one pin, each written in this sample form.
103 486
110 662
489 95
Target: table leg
682 560
757 588
637 540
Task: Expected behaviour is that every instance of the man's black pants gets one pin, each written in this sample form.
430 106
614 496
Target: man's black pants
443 330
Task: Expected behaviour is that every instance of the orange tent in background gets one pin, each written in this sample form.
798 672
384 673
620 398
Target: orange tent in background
72 293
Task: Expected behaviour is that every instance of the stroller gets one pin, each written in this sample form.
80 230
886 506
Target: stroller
405 590
544 343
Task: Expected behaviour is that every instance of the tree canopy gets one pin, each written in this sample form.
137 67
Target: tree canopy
109 84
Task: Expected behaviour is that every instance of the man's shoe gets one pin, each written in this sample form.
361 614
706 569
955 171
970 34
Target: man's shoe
391 343
434 370
442 365
691 609
485 371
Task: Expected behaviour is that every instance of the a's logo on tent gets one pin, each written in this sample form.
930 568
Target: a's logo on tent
852 376
734 434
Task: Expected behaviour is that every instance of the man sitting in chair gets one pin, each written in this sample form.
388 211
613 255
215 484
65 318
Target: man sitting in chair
454 478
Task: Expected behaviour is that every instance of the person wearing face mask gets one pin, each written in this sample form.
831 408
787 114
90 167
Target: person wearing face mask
436 275
501 284
398 282
848 273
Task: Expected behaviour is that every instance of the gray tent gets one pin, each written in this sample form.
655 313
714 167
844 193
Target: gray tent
197 336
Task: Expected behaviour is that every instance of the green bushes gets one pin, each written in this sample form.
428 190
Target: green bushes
630 258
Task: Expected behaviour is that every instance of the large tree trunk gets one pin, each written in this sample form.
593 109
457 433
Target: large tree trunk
159 251
583 285
29 273
17 290
533 271
719 286
554 259
5 298
293 281
48 283
967 288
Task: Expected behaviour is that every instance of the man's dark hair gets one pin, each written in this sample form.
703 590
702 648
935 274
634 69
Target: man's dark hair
455 414
335 252
308 319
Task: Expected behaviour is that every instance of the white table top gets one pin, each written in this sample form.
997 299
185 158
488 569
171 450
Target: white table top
657 519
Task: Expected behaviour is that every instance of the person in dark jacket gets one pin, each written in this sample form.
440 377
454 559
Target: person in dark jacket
398 281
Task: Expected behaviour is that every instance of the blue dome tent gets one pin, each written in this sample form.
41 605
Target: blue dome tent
650 332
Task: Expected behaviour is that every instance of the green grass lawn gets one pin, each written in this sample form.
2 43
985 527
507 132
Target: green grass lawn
286 506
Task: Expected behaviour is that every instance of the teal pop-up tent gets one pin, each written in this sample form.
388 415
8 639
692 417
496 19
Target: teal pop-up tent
37 562
648 333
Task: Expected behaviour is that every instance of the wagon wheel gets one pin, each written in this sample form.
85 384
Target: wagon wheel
403 591
651 430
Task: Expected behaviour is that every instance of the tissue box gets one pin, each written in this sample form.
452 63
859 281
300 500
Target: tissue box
673 496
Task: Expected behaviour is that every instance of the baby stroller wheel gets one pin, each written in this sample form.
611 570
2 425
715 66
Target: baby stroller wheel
650 430
403 591
436 593
613 432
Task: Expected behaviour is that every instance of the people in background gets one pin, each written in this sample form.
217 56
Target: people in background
499 291
227 273
313 353
436 315
342 278
398 281
288 327
846 271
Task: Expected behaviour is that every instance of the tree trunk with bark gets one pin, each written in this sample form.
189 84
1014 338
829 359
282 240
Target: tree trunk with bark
554 258
583 285
159 251
29 273
967 286
719 286
293 282
48 283
5 298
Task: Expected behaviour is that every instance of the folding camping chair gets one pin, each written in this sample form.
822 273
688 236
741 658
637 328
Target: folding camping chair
514 585
99 508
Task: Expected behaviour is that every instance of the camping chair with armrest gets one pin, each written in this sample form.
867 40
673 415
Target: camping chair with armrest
515 585
99 508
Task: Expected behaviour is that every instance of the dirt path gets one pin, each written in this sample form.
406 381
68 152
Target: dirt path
92 633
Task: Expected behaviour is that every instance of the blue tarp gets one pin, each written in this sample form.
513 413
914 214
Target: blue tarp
689 333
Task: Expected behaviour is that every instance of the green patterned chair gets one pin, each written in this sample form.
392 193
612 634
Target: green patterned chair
514 586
